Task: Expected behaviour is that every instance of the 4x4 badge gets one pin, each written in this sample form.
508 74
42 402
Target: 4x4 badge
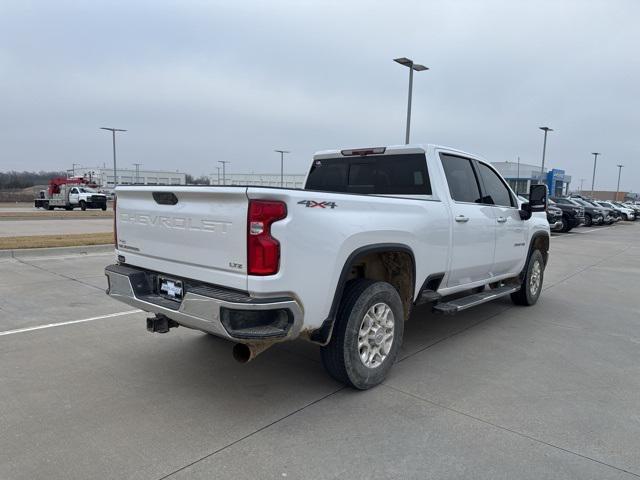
314 204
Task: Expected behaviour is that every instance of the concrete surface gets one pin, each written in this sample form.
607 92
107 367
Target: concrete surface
499 392
18 228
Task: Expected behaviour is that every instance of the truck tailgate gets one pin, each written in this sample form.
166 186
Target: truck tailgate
185 231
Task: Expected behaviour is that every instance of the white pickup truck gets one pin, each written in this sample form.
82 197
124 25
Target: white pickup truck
340 263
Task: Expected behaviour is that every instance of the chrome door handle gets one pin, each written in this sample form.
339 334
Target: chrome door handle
502 219
462 219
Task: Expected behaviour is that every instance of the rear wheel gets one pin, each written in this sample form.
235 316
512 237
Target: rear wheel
83 205
367 334
104 207
531 285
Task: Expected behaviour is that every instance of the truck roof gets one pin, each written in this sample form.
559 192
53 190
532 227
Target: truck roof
387 150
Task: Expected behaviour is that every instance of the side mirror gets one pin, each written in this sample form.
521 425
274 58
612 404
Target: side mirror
525 211
538 198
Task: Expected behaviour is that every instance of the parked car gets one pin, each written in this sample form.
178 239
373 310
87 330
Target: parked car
634 206
592 215
626 213
554 215
572 213
340 263
610 215
621 214
634 211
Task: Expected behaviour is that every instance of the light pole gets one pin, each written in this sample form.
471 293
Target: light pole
224 163
137 165
418 68
544 148
581 182
282 152
593 179
518 180
113 133
618 187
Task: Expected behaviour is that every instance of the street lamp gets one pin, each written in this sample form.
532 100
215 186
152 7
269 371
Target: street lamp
224 163
418 68
137 165
544 147
113 133
618 187
593 179
282 152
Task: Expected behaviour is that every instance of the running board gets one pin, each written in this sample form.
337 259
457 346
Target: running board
459 304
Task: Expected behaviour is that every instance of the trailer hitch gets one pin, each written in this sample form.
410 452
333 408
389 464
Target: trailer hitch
160 324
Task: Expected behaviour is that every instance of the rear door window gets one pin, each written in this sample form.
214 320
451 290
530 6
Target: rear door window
404 174
461 179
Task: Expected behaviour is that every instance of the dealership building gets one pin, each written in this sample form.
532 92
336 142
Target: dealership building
521 176
128 176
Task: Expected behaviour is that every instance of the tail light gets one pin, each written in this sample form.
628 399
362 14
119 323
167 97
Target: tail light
263 251
115 218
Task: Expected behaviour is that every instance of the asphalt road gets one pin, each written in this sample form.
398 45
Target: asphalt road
499 392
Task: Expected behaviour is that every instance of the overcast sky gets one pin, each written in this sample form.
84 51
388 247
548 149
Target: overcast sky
197 82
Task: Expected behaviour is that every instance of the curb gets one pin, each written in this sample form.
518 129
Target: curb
56 251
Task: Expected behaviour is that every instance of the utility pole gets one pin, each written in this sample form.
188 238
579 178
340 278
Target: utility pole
137 165
282 152
544 149
418 68
581 182
593 178
618 187
113 133
224 164
518 180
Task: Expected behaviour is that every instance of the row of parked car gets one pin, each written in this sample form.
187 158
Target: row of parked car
566 213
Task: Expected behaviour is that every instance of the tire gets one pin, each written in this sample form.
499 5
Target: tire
83 205
588 221
565 225
69 208
530 288
345 356
104 207
49 207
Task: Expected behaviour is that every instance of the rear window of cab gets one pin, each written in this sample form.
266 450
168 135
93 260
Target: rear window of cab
404 174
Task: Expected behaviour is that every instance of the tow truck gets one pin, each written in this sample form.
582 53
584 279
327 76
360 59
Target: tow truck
70 193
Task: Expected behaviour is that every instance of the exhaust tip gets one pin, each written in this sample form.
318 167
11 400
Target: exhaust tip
241 353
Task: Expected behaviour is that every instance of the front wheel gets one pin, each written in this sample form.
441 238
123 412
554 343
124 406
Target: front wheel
588 221
367 334
531 285
83 205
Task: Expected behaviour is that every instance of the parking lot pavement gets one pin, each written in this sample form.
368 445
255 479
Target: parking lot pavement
19 228
550 391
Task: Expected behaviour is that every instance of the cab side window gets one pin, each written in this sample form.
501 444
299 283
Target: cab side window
461 179
74 190
495 191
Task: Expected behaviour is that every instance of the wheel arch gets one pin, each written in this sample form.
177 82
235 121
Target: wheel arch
381 261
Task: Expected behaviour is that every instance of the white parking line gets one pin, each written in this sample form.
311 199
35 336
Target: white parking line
71 322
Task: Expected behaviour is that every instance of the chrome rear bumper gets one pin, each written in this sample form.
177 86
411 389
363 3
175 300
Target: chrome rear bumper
201 305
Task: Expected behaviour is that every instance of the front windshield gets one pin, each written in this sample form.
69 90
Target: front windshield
87 190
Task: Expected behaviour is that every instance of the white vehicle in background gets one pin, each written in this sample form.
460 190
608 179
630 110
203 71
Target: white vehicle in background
340 263
69 194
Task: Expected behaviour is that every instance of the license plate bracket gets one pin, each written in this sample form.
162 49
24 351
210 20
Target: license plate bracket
170 288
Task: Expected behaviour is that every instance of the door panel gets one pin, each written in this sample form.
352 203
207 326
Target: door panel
510 228
474 224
